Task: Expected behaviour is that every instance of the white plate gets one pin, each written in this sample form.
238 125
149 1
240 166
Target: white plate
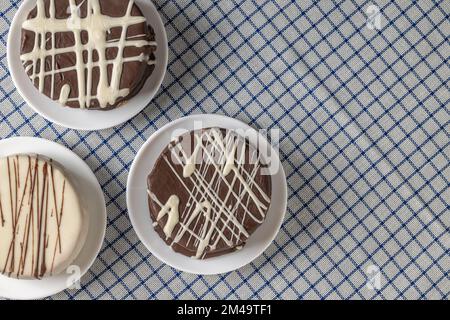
91 194
77 118
139 211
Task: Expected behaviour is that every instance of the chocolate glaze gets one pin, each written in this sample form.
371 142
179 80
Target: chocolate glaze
167 179
134 74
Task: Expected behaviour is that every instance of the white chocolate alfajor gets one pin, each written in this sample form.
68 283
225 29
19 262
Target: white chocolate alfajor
42 224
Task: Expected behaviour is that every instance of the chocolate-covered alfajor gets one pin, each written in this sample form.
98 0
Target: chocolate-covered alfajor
208 192
90 54
42 225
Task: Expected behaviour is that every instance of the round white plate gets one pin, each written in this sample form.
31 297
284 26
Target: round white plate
77 118
94 203
139 212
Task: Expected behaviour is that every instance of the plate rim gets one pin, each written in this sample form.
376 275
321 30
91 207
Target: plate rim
140 155
128 116
102 215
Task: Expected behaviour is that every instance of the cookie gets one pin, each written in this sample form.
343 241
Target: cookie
89 54
207 193
42 224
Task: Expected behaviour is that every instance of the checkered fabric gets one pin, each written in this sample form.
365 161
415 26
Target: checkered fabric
364 119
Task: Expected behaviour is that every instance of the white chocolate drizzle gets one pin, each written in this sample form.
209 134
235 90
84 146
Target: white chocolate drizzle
170 209
97 26
64 95
205 208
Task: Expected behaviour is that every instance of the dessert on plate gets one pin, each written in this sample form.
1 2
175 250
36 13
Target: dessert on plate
207 192
42 224
88 54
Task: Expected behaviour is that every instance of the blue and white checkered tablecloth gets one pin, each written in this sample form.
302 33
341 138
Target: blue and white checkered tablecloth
363 109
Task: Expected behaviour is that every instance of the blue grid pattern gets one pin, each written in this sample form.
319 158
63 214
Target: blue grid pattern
364 123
